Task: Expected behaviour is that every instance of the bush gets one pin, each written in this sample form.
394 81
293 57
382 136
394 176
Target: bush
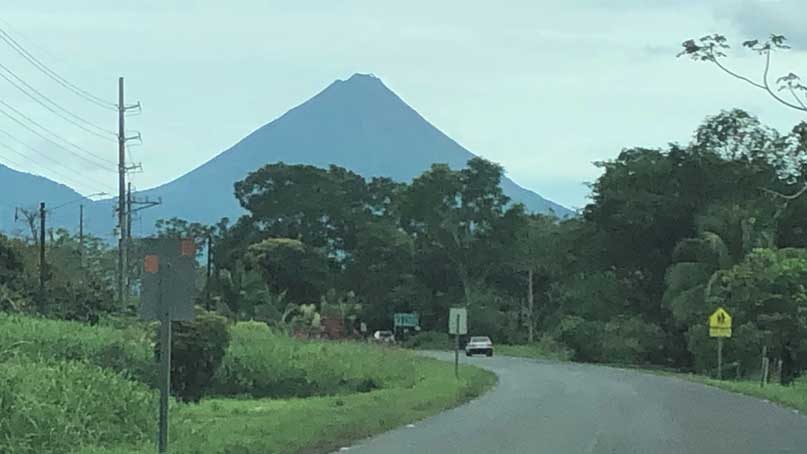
85 302
260 363
123 351
631 340
744 347
60 406
197 350
583 336
429 340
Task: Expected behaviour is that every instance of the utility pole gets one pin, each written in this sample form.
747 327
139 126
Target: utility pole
128 244
530 308
42 258
207 281
81 235
122 169
121 191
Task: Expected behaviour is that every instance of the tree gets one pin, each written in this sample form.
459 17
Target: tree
289 266
767 290
726 234
321 208
11 262
536 253
711 48
379 271
462 218
181 228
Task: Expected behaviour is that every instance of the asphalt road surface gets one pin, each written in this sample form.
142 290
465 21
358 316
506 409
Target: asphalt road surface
558 408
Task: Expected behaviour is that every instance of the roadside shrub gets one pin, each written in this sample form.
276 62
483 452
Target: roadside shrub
744 347
123 351
631 340
429 340
261 363
197 350
60 406
12 300
583 336
84 302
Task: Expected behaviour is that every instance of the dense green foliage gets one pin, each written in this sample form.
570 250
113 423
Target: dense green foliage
260 363
126 351
665 239
60 406
197 350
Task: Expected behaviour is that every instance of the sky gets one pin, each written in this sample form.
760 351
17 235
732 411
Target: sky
544 88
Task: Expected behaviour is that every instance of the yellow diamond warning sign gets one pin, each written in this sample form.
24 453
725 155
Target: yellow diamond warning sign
720 323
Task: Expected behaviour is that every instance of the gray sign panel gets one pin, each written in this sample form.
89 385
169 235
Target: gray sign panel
167 279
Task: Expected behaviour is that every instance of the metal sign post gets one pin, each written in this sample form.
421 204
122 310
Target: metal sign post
167 295
457 352
165 380
720 327
457 325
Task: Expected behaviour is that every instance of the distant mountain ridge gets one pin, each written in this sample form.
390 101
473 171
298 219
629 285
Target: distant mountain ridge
358 123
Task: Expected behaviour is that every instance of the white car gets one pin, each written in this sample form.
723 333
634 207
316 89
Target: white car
479 344
385 337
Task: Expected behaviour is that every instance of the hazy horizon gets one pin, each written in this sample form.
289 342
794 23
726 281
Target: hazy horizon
542 88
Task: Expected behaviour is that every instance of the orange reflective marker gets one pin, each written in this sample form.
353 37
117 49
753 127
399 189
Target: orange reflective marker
187 248
151 264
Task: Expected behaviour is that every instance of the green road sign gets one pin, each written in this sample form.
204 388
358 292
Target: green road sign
168 279
405 320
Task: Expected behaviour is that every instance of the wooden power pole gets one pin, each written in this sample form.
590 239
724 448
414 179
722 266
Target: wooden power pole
121 192
81 235
42 296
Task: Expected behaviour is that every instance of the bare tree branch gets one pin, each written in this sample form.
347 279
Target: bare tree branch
785 196
719 65
796 97
768 88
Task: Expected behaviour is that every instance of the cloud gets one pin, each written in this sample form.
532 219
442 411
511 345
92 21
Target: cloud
757 19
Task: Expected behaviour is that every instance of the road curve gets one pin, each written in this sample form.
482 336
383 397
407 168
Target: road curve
562 408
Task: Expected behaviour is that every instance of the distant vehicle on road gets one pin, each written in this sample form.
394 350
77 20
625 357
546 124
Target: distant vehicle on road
479 344
384 336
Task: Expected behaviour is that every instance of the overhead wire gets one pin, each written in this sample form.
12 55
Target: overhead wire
40 135
8 39
51 160
55 108
59 173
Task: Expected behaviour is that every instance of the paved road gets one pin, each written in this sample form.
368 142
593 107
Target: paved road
556 408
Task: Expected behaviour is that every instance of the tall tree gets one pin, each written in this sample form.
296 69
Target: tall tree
712 48
460 215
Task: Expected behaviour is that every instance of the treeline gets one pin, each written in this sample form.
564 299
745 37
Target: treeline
668 235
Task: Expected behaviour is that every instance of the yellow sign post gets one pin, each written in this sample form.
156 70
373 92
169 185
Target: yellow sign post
720 327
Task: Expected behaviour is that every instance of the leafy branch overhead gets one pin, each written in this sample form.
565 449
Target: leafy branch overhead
712 48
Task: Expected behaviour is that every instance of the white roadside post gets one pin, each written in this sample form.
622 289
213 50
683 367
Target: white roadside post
457 325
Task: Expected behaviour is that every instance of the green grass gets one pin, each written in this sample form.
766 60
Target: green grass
544 349
793 396
317 424
261 364
126 351
56 406
69 387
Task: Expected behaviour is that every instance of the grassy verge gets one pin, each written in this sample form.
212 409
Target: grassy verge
317 424
540 350
793 396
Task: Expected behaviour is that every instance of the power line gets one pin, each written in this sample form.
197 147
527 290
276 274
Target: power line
58 110
12 162
49 159
65 177
4 36
55 135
